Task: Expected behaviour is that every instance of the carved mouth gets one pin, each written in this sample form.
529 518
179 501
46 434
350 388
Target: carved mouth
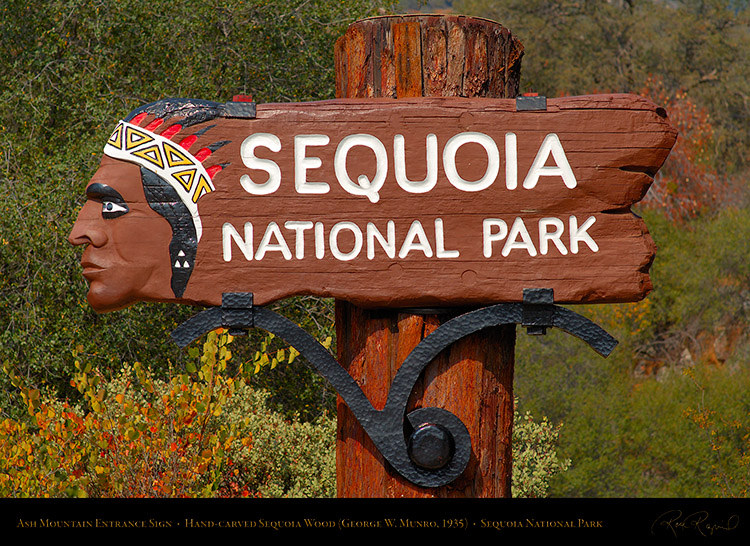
91 270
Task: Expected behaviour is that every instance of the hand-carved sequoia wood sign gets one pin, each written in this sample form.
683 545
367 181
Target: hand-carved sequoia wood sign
415 202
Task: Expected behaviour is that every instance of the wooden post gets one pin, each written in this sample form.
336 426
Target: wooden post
408 56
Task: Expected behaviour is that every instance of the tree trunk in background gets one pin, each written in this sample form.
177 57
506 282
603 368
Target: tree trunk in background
411 56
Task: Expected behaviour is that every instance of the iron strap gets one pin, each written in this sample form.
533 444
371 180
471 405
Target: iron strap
430 446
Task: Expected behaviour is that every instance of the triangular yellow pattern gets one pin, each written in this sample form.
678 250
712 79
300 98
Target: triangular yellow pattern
174 156
134 137
116 138
185 178
202 188
152 154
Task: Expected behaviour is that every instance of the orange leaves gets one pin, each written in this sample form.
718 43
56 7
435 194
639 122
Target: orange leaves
137 437
688 183
197 434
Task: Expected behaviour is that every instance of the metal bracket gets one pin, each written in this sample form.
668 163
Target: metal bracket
429 446
237 312
240 109
526 103
538 311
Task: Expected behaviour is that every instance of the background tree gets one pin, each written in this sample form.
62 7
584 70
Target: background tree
69 68
667 413
575 47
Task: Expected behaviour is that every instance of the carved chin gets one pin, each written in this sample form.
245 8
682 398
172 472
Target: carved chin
116 284
104 299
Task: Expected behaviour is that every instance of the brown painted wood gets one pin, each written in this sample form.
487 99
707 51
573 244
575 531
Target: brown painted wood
473 378
254 213
616 271
252 239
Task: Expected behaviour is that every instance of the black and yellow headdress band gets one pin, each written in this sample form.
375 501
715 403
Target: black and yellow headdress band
174 164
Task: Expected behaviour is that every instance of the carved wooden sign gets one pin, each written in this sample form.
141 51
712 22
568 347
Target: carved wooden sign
384 203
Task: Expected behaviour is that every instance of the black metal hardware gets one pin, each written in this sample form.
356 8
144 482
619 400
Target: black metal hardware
238 109
237 312
538 313
429 446
530 103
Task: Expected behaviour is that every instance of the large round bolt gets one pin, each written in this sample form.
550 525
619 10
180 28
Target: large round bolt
431 446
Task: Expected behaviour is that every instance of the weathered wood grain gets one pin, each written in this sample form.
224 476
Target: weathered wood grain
473 379
407 46
449 55
614 145
434 47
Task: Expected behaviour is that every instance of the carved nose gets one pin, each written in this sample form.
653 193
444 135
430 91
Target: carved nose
88 228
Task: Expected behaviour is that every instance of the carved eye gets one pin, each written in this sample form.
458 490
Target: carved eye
112 209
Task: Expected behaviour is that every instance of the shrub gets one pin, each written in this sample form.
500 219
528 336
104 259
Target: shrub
535 459
202 433
199 434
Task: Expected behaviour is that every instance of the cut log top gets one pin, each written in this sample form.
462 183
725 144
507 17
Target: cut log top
427 55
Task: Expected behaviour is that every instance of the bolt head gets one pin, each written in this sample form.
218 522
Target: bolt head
431 446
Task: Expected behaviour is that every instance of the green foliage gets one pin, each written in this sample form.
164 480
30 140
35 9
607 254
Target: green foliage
296 387
647 420
570 384
197 434
722 414
535 460
202 433
703 280
69 70
286 458
579 47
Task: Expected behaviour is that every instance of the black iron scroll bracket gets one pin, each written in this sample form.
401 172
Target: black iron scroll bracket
429 446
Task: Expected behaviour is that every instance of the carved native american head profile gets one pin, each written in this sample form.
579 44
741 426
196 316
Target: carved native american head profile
157 165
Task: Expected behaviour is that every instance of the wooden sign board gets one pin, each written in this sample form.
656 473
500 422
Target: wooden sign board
385 203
